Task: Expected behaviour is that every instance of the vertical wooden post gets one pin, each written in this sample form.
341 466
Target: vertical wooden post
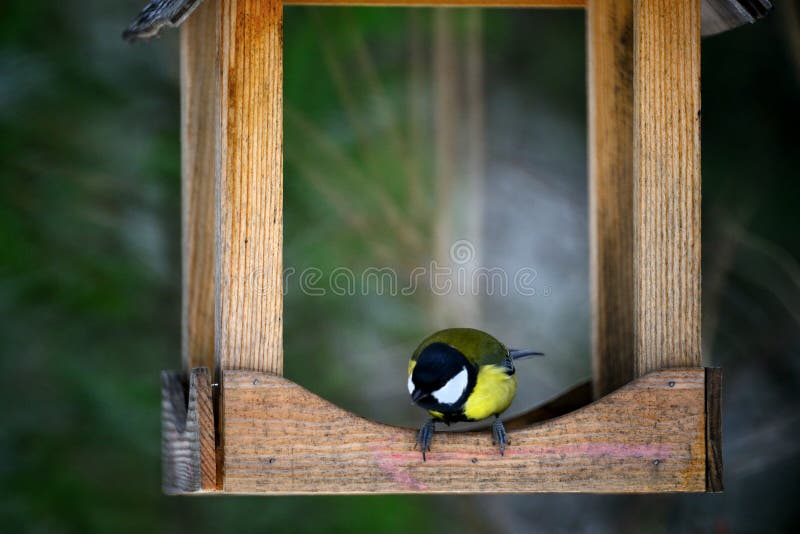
666 59
249 194
198 119
609 25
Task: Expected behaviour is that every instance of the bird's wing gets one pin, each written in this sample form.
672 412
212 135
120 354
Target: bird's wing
156 15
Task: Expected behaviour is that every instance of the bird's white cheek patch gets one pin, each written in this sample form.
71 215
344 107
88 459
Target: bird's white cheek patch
452 391
410 385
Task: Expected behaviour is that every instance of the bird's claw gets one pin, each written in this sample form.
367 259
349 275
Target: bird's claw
425 436
499 436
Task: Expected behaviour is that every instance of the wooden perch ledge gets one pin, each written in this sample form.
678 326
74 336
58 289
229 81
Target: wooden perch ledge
651 435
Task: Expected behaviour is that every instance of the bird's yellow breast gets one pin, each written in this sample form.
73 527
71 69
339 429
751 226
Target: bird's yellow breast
493 393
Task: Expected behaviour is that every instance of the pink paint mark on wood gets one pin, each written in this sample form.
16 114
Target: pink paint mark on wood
395 465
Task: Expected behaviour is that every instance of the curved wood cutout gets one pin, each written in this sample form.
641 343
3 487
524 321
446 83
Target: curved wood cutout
648 436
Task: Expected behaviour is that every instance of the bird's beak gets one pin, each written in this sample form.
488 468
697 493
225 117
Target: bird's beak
417 395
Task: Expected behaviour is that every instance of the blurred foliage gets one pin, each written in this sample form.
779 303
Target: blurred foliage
361 191
89 276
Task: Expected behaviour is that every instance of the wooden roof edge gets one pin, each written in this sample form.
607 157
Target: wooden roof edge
722 15
156 15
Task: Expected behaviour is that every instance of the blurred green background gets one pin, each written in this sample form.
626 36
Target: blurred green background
90 248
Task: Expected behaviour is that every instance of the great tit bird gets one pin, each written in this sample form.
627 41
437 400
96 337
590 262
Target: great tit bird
463 374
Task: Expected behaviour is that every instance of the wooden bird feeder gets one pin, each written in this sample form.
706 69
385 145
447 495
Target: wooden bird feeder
654 425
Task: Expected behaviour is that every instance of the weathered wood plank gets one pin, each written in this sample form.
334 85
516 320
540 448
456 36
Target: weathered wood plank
648 436
578 396
714 429
666 182
609 26
202 391
249 213
198 138
187 433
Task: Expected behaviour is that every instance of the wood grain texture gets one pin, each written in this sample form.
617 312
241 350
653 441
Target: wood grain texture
198 139
187 432
574 398
249 213
666 85
609 25
648 436
714 429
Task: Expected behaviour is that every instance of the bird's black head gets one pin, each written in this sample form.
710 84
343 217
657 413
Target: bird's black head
442 378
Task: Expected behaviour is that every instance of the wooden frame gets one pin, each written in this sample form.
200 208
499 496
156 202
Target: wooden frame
654 425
